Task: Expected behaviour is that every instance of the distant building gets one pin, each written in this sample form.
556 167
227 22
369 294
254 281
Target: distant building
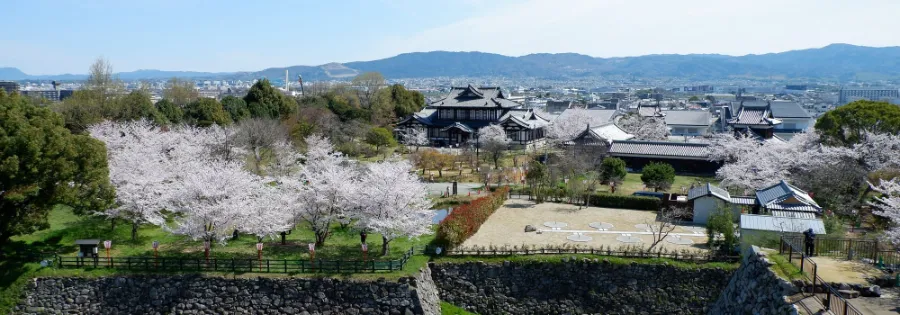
699 88
794 118
9 86
51 95
649 110
688 122
756 117
457 118
64 94
848 95
554 106
796 87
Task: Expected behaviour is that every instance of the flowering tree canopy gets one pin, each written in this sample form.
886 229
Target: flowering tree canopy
576 120
493 139
324 188
416 137
138 168
889 206
394 202
644 128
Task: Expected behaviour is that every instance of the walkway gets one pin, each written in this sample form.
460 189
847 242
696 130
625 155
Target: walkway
461 188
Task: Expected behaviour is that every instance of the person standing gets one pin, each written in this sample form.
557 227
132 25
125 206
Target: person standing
810 241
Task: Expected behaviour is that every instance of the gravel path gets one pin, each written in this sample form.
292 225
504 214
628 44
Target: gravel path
506 227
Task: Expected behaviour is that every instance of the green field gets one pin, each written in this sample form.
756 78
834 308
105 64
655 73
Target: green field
22 255
633 183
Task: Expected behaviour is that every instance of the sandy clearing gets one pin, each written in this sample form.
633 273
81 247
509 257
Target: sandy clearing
506 227
844 271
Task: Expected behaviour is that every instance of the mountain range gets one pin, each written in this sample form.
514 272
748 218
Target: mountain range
833 62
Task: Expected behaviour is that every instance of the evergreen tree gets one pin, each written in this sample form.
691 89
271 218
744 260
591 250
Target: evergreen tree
43 164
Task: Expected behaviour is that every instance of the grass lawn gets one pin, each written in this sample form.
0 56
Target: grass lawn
783 268
450 309
23 253
66 227
633 183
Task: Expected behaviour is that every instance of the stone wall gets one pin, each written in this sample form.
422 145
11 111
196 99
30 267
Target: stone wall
192 294
755 289
578 287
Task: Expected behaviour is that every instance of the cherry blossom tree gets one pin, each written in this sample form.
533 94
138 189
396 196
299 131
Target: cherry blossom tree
729 148
394 202
268 212
138 169
575 121
772 161
210 198
324 189
888 206
416 137
494 141
644 128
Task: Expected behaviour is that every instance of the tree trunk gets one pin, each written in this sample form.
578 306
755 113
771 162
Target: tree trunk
134 231
112 222
385 246
441 172
320 238
283 238
235 235
496 161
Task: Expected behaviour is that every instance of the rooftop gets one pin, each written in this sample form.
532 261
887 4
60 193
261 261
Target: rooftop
780 224
784 109
688 117
475 97
709 190
660 149
784 196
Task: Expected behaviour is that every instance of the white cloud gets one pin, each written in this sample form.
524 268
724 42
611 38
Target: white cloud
607 28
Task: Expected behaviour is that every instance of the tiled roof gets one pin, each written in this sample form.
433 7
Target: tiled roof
773 197
660 149
709 190
779 224
747 201
688 117
459 126
794 214
782 109
607 132
610 132
471 96
649 111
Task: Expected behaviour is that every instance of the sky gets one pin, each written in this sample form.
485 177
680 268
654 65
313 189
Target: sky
65 36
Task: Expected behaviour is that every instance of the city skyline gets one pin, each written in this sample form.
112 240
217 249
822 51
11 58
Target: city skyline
234 36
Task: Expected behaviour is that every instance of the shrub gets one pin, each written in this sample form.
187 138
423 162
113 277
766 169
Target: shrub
624 202
466 219
658 176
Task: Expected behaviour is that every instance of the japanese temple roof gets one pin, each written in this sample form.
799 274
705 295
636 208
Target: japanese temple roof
472 97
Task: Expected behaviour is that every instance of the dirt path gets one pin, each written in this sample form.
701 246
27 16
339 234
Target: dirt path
843 271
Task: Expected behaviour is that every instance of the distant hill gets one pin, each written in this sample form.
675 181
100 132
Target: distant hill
836 62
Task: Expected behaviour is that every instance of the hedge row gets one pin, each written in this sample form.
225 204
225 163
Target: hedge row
466 219
625 202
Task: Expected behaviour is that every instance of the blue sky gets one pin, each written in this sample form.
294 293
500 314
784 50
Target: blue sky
65 36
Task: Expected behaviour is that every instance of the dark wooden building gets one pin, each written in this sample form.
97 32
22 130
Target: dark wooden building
685 157
457 118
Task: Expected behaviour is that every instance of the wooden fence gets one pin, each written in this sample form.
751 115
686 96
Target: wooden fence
877 253
635 253
832 299
168 264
